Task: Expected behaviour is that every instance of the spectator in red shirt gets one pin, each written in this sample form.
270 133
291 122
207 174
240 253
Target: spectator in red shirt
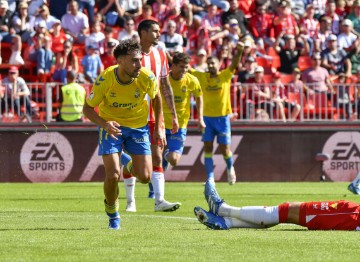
261 27
58 37
65 60
285 22
108 58
146 15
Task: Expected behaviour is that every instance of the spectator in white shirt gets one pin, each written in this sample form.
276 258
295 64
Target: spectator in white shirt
75 23
129 29
44 15
346 40
173 41
96 35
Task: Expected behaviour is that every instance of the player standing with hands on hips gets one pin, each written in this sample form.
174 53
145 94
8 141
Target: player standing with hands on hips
216 85
120 93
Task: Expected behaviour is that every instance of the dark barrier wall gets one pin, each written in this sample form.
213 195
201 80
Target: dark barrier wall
262 155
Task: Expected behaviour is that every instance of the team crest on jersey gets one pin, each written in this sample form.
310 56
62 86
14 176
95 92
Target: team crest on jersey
112 94
137 93
183 89
91 95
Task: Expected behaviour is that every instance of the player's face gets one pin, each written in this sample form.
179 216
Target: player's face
132 64
153 34
213 66
179 70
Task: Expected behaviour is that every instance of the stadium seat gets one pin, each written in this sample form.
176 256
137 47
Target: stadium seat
285 79
319 106
304 62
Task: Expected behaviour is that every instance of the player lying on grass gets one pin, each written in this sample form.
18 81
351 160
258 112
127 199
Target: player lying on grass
325 215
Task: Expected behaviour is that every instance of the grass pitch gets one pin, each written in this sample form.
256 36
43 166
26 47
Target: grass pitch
66 222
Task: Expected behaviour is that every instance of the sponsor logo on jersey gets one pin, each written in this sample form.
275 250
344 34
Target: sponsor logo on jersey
99 80
46 157
344 151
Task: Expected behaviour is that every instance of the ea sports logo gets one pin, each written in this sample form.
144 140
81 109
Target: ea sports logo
344 151
46 157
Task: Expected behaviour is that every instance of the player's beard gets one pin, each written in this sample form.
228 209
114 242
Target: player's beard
134 74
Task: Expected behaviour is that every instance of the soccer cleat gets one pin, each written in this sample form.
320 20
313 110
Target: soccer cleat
354 189
165 163
114 221
231 175
130 206
210 220
212 197
166 206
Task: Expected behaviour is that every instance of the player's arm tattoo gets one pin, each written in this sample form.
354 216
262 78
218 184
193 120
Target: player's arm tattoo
168 94
157 106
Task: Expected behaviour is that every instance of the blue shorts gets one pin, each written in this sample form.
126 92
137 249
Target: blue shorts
175 142
135 141
217 126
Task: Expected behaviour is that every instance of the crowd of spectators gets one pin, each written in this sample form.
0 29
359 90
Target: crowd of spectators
78 35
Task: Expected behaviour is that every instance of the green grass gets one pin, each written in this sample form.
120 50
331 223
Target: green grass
66 222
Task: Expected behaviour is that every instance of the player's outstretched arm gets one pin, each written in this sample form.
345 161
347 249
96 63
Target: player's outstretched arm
158 133
236 59
111 127
167 91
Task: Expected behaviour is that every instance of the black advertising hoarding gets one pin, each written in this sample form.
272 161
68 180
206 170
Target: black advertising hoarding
265 155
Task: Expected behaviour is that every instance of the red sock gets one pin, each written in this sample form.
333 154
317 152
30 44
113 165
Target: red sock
125 176
283 212
158 169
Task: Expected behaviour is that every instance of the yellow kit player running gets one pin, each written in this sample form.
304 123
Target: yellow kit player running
183 85
120 93
217 106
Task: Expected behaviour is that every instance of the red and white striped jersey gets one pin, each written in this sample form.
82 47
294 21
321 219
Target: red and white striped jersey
157 62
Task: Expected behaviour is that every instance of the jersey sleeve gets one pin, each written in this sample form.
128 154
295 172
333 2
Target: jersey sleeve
98 91
164 67
196 88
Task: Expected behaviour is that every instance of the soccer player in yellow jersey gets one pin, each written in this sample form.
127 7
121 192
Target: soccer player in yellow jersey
217 106
119 92
183 85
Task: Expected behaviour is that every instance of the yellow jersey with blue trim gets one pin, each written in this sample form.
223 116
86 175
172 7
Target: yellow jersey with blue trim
182 89
216 92
123 103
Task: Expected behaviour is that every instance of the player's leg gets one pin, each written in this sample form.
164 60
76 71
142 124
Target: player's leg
223 130
354 186
111 190
208 139
175 147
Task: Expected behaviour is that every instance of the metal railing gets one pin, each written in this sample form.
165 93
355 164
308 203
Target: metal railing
247 102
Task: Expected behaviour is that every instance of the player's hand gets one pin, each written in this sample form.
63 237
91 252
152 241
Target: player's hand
175 126
159 137
201 125
111 127
240 45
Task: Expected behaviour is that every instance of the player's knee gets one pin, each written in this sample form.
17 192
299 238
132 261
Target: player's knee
174 159
113 176
144 179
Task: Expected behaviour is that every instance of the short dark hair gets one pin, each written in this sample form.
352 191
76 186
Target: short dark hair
71 74
180 57
145 25
125 47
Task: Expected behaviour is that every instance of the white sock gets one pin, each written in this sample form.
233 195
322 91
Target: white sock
237 223
158 181
356 181
129 184
258 215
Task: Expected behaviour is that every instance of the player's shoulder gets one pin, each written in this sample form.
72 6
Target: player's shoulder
106 76
191 78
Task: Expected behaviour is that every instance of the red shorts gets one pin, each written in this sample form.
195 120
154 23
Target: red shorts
151 125
332 215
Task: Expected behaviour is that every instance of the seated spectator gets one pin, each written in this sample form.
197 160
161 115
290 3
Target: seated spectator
65 60
346 40
212 21
341 9
201 64
15 58
172 40
248 71
91 63
322 34
289 55
129 29
296 86
34 7
21 22
258 95
280 96
335 60
330 12
238 14
309 26
298 8
75 23
44 15
108 38
342 101
5 21
234 31
108 58
72 99
261 27
89 6
96 36
58 37
285 23
316 77
224 56
16 94
354 16
99 18
354 57
129 8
